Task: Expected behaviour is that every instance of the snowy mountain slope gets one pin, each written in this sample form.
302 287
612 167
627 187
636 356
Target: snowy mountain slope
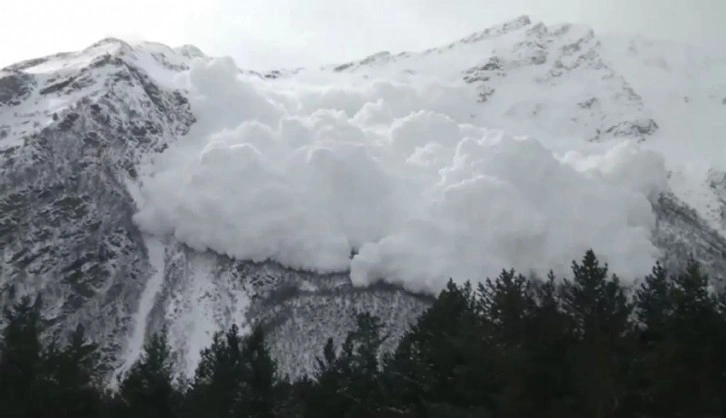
77 129
564 82
686 92
552 80
143 186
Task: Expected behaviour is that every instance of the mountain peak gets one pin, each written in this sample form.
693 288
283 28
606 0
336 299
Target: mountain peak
109 41
499 30
190 51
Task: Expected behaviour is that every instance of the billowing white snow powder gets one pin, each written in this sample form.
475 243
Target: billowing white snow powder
309 174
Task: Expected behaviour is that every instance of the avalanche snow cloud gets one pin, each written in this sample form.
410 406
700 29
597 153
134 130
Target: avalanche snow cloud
387 179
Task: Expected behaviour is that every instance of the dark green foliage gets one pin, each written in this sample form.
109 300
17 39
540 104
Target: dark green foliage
22 385
509 347
218 376
350 384
58 381
75 372
549 336
682 345
257 397
147 390
235 378
654 303
445 358
601 360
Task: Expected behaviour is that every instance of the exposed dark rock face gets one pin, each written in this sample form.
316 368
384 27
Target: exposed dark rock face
640 129
14 88
681 234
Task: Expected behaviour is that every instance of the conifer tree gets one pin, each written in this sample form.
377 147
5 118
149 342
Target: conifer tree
515 347
550 337
23 386
147 390
691 360
218 377
350 384
654 311
361 351
235 377
445 361
324 396
258 395
601 314
75 371
506 302
653 302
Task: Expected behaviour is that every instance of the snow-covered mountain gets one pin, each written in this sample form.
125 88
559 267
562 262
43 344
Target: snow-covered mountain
143 186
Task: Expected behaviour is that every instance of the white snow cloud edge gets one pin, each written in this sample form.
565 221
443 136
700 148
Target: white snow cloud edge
308 174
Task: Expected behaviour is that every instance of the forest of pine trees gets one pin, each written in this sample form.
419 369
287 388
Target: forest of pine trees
583 346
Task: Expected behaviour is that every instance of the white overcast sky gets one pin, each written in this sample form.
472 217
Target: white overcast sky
266 34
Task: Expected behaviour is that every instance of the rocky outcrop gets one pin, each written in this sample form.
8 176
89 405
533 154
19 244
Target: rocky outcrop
681 234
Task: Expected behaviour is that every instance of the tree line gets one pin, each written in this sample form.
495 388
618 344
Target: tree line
512 346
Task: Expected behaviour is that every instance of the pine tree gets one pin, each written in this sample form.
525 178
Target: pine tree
654 311
601 312
445 361
693 352
258 397
215 390
507 303
653 302
515 347
361 351
147 389
594 302
550 337
23 385
329 356
235 377
323 398
504 304
350 384
75 371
